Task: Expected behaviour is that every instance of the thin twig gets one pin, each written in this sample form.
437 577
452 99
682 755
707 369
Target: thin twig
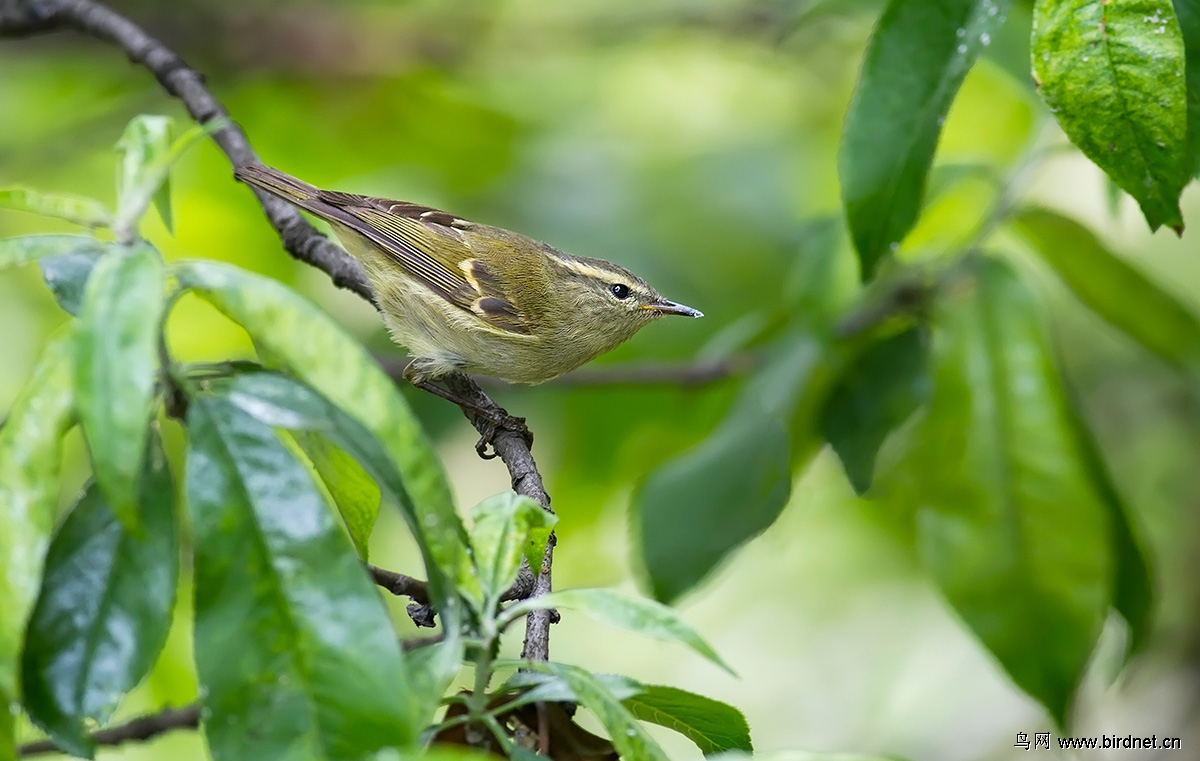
399 584
141 728
526 480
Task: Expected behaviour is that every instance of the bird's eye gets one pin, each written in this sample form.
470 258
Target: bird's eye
620 290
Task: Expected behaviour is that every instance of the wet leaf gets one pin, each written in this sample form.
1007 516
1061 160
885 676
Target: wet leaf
880 389
354 491
637 614
82 211
1113 75
629 737
992 478
30 450
294 334
104 609
714 726
1115 290
917 58
294 648
281 402
704 503
116 368
144 146
500 536
1188 14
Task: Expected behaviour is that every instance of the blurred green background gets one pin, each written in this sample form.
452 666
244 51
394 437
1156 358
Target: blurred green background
696 143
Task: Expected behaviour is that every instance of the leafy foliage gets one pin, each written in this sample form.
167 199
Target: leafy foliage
29 461
934 380
993 476
500 538
1113 289
917 59
278 583
874 395
104 608
700 506
711 724
116 364
645 616
1113 75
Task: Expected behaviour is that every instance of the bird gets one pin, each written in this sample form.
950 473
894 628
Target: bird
468 297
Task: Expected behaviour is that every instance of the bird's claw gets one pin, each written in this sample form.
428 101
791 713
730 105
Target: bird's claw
497 424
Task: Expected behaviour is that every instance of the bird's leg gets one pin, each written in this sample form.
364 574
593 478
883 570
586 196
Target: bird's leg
495 420
484 412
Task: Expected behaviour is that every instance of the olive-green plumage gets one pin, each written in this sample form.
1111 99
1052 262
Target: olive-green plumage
481 299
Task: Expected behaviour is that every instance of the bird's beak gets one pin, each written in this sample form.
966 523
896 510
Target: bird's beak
670 307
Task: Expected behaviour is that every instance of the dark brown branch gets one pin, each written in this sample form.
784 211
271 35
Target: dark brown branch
399 584
141 728
527 480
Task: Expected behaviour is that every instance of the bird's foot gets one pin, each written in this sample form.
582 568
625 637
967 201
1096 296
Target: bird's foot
498 422
492 421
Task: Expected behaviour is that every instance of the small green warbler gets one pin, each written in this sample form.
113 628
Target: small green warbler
465 296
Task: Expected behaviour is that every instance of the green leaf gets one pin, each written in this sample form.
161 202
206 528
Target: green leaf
354 492
8 740
17 251
698 507
293 334
637 614
1188 14
1116 291
67 275
1113 74
30 450
1006 513
547 688
714 726
914 65
147 157
500 536
820 276
294 648
104 609
145 144
1132 584
116 368
82 211
281 402
433 668
876 393
629 737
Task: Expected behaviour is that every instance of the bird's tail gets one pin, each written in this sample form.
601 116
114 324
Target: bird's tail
283 185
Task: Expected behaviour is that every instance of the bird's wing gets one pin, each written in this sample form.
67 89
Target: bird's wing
433 247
